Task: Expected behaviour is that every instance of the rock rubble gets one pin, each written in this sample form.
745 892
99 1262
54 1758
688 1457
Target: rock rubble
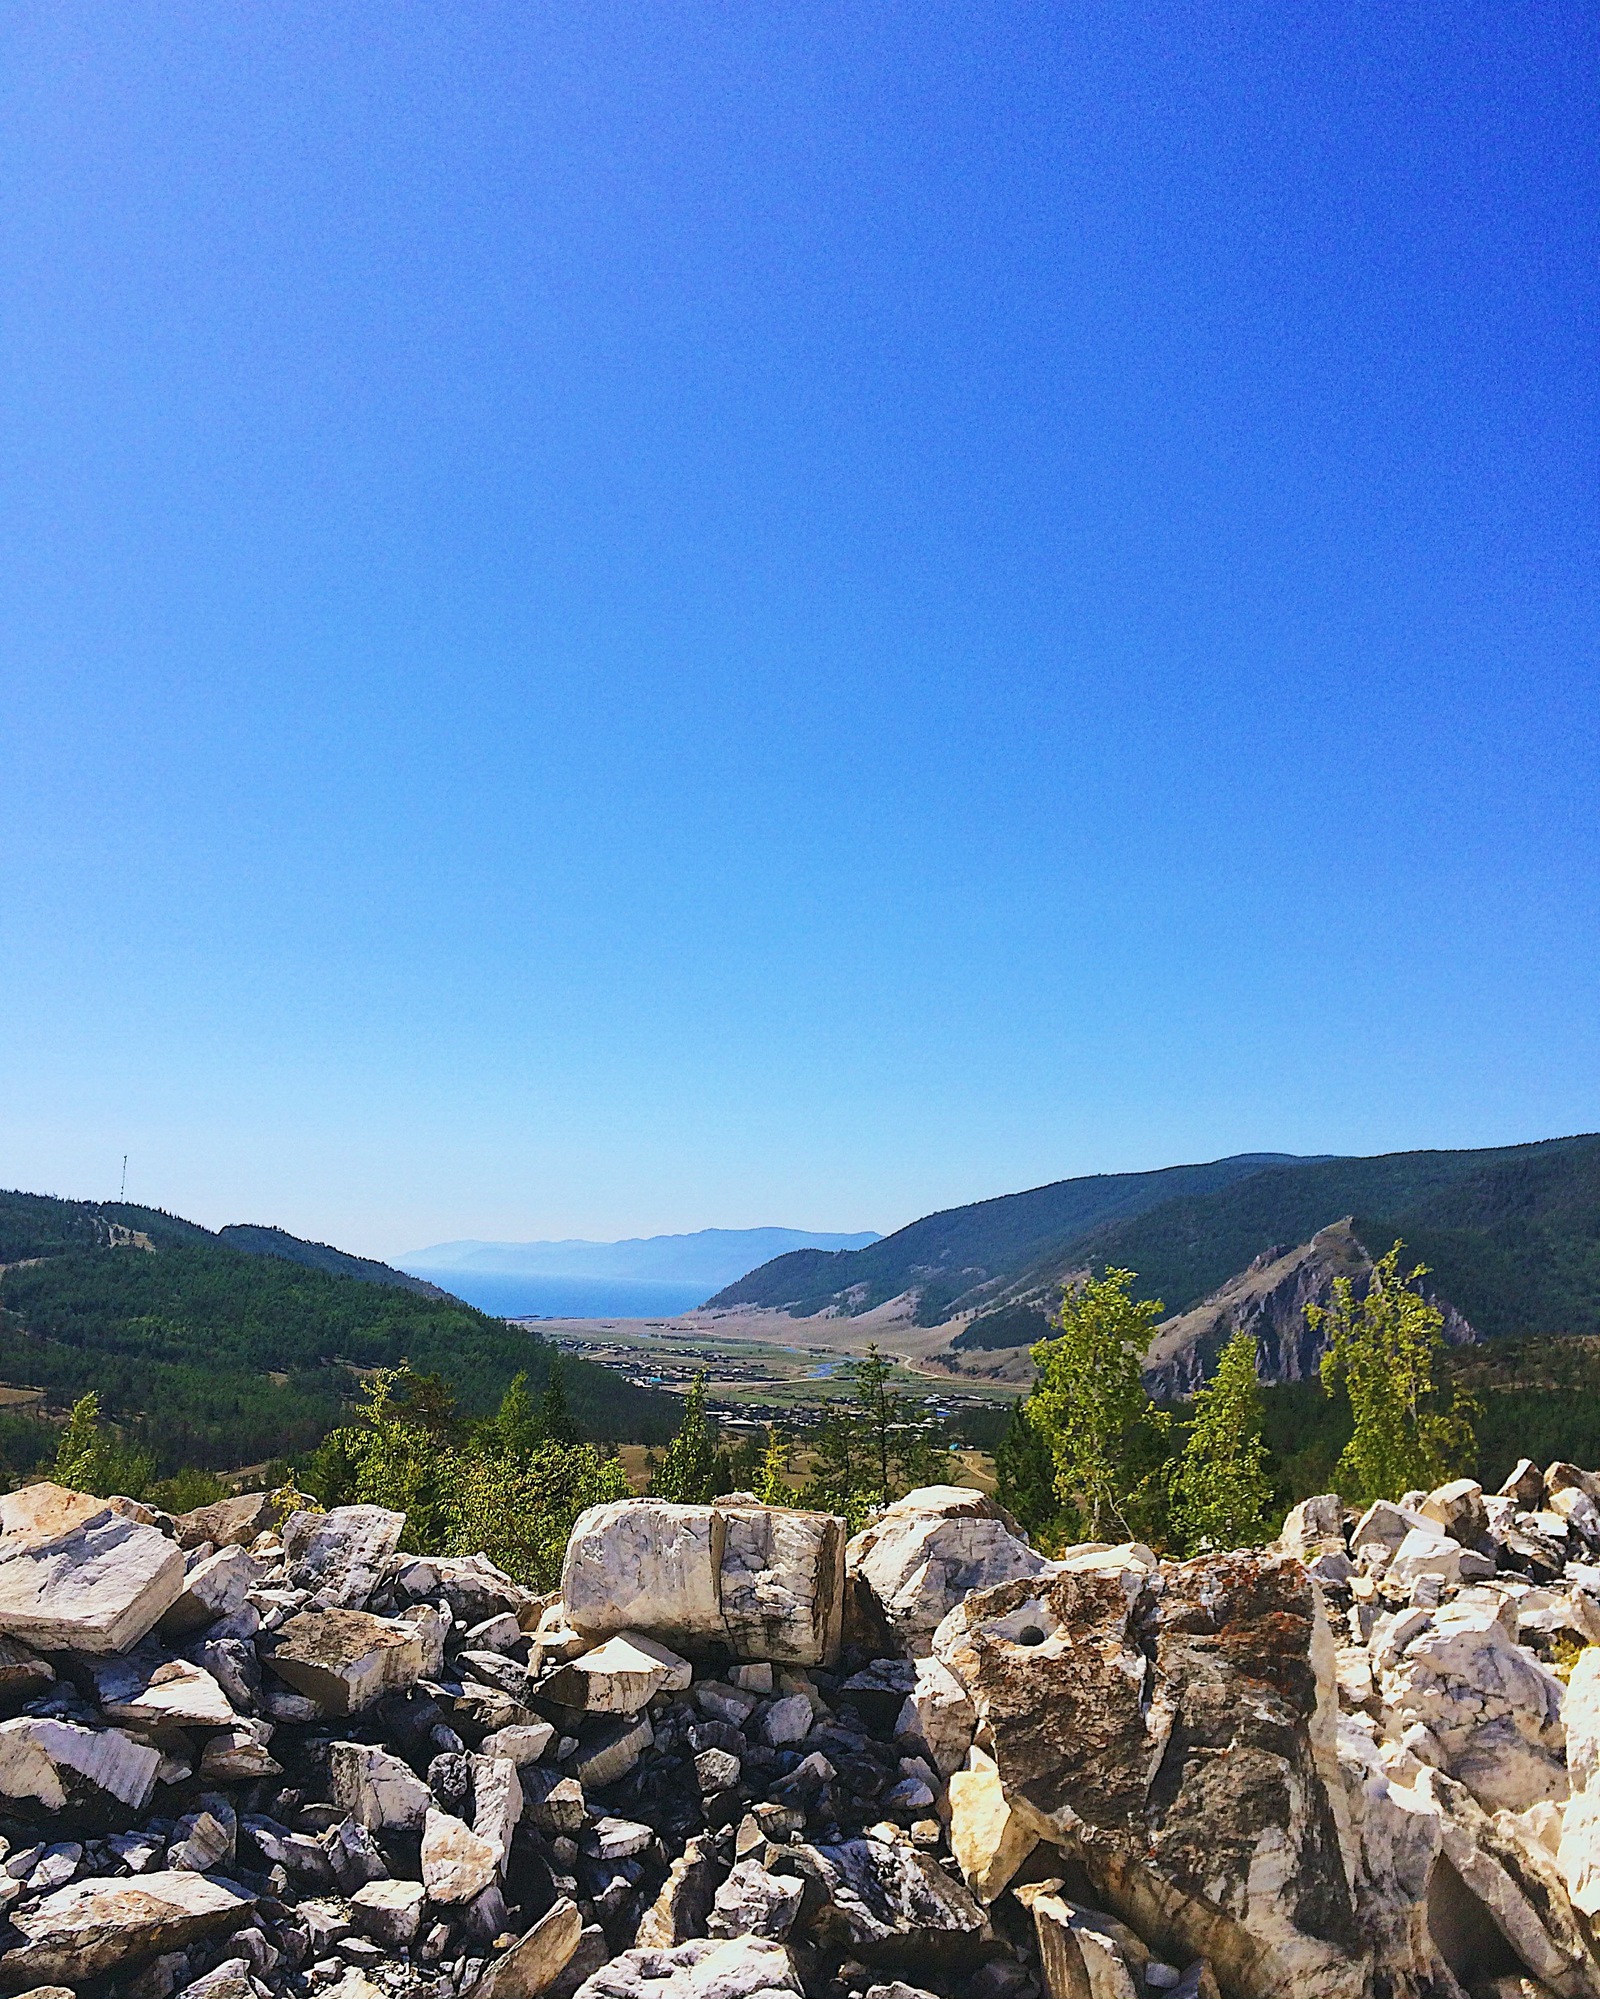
735 1758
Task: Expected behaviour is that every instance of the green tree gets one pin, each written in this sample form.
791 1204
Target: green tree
689 1468
556 1424
400 1452
1025 1477
1220 1486
515 1427
1381 1351
520 1511
839 1480
1106 1437
874 1447
92 1458
772 1487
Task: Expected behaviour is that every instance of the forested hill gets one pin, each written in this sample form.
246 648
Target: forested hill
1513 1235
949 1255
216 1354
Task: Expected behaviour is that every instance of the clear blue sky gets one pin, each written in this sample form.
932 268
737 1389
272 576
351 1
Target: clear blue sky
616 618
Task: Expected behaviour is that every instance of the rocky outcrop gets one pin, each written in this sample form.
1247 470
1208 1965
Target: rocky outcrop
1331 1769
1269 1300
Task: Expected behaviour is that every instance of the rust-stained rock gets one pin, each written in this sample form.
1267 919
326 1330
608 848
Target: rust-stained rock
1180 1743
101 1926
344 1660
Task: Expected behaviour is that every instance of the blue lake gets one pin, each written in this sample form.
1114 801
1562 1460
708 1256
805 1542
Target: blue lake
567 1297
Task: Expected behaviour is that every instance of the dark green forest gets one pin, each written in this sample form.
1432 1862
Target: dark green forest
216 1356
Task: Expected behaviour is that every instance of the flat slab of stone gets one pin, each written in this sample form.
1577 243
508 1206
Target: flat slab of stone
703 1968
161 1693
535 1961
102 1925
618 1677
344 1660
77 1576
66 1768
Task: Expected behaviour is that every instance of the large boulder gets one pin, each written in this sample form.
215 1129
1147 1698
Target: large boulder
226 1523
77 1575
101 1927
887 1904
923 1554
345 1660
340 1555
1180 1744
766 1581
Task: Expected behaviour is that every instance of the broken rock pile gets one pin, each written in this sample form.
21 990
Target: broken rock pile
734 1756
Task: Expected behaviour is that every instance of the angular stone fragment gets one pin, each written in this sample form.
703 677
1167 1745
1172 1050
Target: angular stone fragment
376 1789
552 1803
71 1769
888 1904
921 1556
496 1802
99 1927
77 1576
1525 1485
161 1693
226 1523
1579 1851
754 1903
390 1912
1384 1526
537 1959
1313 1526
937 1717
683 1907
238 1754
1171 1744
344 1660
1457 1509
520 1742
781 1583
704 1968
215 1587
1495 1711
1079 1958
987 1838
1426 1553
22 1675
617 1677
456 1863
340 1555
610 1752
786 1721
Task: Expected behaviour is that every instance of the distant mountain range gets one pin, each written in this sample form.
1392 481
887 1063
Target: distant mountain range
1512 1234
642 1277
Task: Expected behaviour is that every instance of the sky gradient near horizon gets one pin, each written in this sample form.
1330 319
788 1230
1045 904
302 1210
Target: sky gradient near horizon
623 618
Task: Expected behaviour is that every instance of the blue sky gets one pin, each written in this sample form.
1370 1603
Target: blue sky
620 618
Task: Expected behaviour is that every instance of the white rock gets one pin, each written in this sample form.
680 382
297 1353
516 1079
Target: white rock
238 1754
754 1903
611 1752
765 1581
456 1864
216 1586
97 1926
77 1576
390 1912
340 1555
1579 1849
496 1802
1313 1526
1384 1526
1457 1509
618 1677
376 1788
787 1720
523 1741
1425 1552
344 1660
924 1554
63 1765
166 1694
703 1968
1494 1709
938 1717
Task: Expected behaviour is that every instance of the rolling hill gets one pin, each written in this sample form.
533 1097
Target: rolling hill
1512 1234
229 1348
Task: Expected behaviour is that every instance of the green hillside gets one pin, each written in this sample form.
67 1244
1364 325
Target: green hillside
254 1240
1512 1234
216 1355
952 1253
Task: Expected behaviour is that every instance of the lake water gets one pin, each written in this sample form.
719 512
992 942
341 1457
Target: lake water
567 1297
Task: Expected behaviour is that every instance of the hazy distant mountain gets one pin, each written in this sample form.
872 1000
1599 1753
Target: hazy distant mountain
708 1258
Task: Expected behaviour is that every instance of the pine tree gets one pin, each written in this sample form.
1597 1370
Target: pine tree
1106 1437
1381 1351
688 1469
1025 1476
90 1458
1220 1487
556 1424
